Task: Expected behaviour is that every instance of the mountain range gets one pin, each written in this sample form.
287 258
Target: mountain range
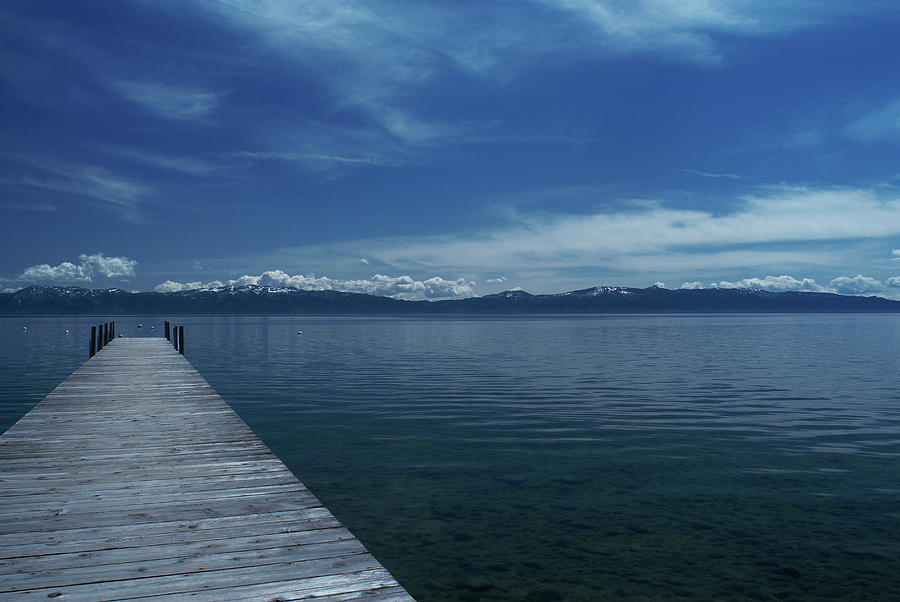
251 299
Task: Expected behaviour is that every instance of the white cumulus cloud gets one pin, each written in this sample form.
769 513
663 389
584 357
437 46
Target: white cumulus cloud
774 283
895 253
109 267
399 287
170 286
87 268
856 285
843 285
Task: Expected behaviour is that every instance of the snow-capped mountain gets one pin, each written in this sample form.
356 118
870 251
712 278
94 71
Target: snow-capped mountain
251 299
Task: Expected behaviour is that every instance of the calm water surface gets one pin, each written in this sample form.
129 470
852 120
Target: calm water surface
614 457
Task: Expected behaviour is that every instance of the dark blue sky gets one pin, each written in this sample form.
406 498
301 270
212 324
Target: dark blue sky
451 148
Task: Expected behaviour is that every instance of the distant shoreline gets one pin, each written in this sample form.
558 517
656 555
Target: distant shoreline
261 300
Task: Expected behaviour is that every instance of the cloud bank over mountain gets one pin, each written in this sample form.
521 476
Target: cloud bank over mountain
398 287
844 285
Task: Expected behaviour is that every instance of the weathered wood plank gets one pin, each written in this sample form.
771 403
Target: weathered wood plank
240 542
173 484
181 564
325 575
108 536
134 478
98 503
355 586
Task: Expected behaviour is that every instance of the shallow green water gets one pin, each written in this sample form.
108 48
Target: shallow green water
622 457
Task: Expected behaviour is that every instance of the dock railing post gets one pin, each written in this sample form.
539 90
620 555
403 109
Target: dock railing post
181 340
93 341
112 329
175 337
105 334
99 337
168 338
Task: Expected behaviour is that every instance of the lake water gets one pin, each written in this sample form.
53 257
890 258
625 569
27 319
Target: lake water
565 458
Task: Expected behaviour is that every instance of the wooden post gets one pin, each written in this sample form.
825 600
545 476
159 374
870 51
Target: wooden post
105 334
93 341
175 337
181 340
168 338
100 337
112 329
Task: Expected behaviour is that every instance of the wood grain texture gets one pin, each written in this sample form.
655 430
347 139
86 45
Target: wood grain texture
133 478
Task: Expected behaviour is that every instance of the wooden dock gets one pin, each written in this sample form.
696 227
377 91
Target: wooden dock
134 479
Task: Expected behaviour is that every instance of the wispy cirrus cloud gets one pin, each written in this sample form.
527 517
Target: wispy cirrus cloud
406 126
708 174
688 31
784 228
185 165
879 124
123 195
371 58
87 269
681 27
319 146
94 182
36 207
412 40
399 287
311 158
169 101
376 62
786 215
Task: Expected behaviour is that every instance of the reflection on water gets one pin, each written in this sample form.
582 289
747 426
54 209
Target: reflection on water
744 457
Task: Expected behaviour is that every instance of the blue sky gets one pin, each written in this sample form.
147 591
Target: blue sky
441 149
